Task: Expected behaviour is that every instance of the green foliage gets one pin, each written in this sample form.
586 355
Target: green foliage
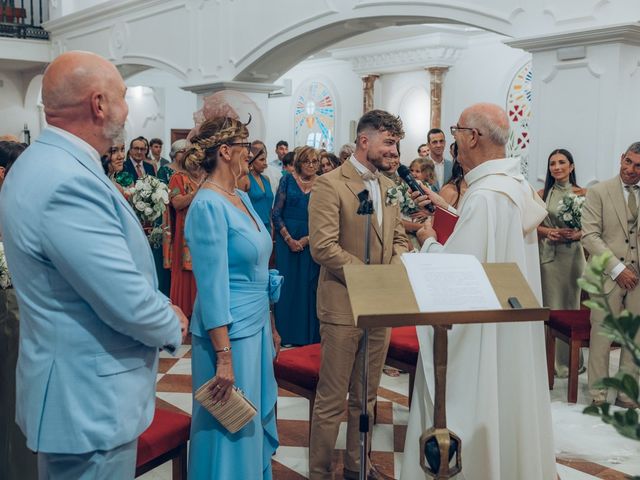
621 329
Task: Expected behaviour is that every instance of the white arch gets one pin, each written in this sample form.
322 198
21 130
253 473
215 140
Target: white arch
289 46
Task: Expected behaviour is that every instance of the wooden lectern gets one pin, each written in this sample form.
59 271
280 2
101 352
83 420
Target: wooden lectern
381 296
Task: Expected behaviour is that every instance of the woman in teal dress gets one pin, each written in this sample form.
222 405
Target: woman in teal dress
259 186
233 339
562 258
296 315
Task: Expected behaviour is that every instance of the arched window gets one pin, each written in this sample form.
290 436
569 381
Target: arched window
315 116
519 111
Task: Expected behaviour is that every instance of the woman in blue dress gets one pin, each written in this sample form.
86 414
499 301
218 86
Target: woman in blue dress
233 339
259 186
296 316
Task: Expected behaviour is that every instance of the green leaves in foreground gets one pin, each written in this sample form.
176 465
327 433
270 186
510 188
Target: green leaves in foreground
621 329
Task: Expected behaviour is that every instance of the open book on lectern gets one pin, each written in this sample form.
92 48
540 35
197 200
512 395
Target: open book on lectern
445 282
440 289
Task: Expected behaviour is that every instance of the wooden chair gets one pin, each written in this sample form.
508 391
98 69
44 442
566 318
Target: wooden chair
574 328
297 370
165 439
403 353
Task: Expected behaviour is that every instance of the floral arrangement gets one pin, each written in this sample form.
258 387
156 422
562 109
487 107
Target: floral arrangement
5 277
149 198
400 195
570 210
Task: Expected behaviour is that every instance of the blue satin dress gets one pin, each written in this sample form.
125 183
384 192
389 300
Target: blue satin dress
230 263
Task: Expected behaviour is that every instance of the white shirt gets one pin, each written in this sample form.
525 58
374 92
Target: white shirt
373 186
439 168
617 270
81 144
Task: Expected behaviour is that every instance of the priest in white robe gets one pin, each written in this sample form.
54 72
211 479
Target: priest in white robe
497 390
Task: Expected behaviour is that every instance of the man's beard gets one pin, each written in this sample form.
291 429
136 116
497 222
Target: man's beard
114 130
379 163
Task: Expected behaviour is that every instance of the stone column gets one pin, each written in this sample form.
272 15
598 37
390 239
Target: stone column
436 74
367 92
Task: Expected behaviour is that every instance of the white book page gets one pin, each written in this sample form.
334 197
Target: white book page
446 282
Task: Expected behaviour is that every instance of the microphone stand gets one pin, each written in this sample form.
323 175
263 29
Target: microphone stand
365 208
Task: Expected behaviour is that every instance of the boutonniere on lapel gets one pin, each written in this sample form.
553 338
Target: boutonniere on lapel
399 195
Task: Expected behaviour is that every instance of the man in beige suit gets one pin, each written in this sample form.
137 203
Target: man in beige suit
610 224
336 238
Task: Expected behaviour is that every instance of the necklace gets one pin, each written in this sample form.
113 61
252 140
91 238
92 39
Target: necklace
306 181
215 184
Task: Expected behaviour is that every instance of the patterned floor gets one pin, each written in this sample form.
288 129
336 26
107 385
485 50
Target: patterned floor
290 461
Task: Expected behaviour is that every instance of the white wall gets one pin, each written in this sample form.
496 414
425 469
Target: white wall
156 105
19 104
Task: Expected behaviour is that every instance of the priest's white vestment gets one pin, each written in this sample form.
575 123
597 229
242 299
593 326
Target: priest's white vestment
497 388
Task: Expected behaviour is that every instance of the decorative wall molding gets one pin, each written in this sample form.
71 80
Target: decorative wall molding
250 87
555 69
406 54
628 33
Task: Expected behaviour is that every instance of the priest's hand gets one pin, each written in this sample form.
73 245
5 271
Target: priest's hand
627 279
426 232
430 197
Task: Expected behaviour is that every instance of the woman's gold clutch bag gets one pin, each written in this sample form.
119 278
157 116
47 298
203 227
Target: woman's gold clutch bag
234 414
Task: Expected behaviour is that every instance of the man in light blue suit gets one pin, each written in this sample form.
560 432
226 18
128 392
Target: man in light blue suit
91 317
443 167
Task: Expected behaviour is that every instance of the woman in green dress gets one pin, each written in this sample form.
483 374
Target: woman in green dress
562 258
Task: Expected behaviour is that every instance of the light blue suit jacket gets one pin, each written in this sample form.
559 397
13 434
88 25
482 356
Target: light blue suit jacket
91 316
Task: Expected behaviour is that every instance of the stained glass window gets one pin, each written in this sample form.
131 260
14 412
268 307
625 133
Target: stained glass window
315 116
519 111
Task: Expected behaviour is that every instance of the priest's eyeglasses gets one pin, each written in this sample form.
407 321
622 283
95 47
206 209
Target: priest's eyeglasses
455 129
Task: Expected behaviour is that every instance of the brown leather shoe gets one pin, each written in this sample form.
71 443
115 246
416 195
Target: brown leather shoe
374 474
626 403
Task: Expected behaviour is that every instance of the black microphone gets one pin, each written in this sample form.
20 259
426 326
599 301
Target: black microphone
405 174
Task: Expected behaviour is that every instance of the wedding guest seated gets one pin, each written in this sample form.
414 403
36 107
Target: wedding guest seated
260 191
183 187
562 258
234 341
296 316
328 162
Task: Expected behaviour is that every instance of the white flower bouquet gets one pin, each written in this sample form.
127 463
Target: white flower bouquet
399 195
5 276
149 198
570 210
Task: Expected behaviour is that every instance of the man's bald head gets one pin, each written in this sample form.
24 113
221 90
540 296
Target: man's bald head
490 120
70 80
84 94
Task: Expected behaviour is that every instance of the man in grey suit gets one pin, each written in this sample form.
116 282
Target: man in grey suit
610 224
91 317
437 145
